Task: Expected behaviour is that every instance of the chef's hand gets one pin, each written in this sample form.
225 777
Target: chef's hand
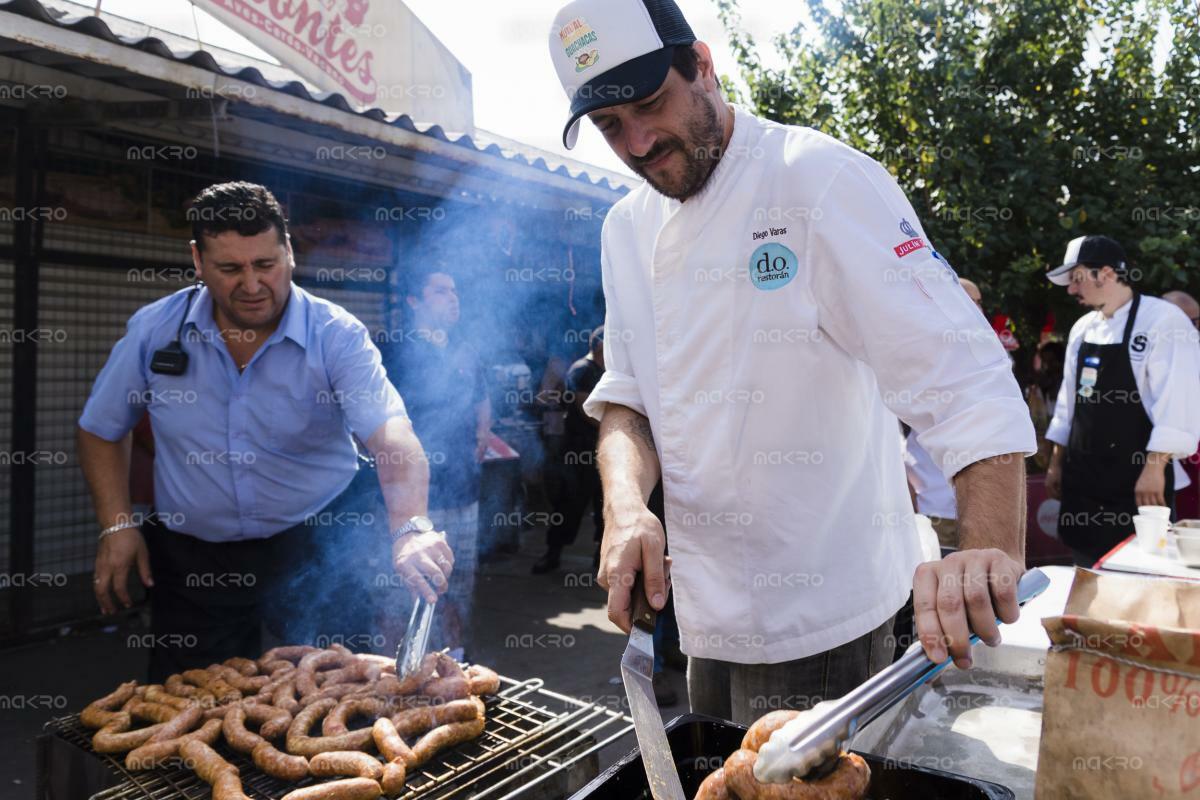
424 561
1151 486
634 541
116 555
965 591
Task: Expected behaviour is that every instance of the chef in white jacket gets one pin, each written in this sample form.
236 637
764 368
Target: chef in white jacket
773 306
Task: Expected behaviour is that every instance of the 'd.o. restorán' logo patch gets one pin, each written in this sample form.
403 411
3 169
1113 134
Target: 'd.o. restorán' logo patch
772 266
576 37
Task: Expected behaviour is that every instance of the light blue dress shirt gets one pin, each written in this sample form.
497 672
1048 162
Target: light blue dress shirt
246 455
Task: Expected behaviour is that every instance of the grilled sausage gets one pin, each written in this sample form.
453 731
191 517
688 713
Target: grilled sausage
182 722
322 659
848 781
290 653
348 789
155 754
337 692
445 736
390 745
765 725
285 696
482 680
158 694
99 713
116 736
415 721
335 721
204 761
301 744
446 689
273 722
394 775
242 665
280 765
228 786
153 712
234 729
714 787
347 764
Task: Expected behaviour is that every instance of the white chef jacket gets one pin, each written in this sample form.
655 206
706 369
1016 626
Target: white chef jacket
935 495
772 386
1165 356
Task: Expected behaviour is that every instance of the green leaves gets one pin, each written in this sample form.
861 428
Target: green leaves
1013 125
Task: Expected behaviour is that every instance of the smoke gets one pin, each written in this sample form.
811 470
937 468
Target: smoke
527 269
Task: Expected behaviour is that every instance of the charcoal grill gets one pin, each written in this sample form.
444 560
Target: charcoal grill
537 743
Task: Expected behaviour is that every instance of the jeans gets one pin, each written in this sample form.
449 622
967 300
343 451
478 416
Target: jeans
744 692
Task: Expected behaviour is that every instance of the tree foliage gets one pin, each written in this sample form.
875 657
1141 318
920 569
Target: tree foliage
1013 126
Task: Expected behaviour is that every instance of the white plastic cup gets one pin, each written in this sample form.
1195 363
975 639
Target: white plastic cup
1152 533
1162 512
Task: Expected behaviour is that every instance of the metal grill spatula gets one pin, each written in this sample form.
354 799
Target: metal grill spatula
816 749
637 671
412 649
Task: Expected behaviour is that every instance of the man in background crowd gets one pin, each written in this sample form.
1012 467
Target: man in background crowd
1127 405
445 389
580 477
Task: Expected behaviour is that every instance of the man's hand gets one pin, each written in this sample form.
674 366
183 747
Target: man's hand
966 591
425 561
1151 486
634 541
116 555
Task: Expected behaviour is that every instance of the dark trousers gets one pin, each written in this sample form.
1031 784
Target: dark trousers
311 584
744 692
580 487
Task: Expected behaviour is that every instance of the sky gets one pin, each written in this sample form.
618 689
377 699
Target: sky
504 45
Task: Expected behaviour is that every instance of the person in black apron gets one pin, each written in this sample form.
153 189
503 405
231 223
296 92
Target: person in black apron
1106 451
1101 467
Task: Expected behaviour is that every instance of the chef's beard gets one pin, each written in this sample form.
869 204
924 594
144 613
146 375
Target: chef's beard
701 151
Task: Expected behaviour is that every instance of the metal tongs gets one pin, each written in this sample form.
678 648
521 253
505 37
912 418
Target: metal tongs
815 750
412 649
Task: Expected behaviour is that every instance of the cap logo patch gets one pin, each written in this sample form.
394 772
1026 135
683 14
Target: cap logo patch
575 36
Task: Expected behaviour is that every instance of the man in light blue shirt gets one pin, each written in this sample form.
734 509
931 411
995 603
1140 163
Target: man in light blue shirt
255 389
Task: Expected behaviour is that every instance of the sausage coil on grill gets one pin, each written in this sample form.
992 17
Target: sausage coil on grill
280 765
440 738
348 789
715 788
116 736
848 781
99 713
155 754
764 726
301 744
348 764
483 680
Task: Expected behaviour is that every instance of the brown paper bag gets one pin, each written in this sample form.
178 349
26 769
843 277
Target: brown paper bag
1122 703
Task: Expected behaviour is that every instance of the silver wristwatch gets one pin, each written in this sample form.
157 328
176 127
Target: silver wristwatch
414 525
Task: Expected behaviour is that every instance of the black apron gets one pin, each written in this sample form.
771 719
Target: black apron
1106 449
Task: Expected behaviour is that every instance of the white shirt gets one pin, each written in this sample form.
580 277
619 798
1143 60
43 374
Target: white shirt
774 409
935 495
1165 356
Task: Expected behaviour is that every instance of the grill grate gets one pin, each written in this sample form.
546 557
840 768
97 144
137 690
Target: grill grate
531 735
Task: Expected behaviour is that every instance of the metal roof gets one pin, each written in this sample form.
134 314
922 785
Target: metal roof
97 27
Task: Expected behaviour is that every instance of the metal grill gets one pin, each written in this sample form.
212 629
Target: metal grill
532 734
